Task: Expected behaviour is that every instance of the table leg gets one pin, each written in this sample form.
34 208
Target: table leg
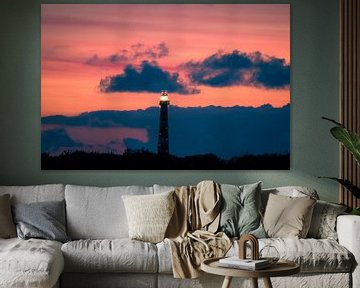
254 282
267 283
227 282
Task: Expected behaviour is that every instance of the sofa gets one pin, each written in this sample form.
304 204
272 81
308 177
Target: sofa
100 253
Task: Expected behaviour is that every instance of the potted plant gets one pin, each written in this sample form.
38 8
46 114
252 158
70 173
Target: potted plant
351 141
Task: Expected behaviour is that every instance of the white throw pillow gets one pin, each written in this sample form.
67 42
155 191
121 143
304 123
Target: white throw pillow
149 215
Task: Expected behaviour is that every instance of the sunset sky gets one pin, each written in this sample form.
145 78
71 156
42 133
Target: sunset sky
120 57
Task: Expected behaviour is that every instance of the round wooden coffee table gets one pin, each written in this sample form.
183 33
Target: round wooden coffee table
281 268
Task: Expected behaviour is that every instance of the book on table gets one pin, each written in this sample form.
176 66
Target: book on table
236 262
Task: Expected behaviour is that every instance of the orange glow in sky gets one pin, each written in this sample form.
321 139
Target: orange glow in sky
84 43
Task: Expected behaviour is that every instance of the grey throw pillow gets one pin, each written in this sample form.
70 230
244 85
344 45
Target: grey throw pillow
44 220
323 222
240 213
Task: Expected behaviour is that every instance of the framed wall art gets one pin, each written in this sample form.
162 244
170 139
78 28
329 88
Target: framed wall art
165 86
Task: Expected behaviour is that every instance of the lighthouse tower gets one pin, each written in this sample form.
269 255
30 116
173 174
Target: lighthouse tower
163 141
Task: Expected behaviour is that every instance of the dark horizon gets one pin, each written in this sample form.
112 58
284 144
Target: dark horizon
226 132
145 160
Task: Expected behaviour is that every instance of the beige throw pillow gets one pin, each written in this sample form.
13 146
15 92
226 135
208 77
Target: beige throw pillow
288 217
148 215
7 226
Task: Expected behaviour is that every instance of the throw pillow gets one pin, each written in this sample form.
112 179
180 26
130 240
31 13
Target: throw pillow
240 213
288 217
7 227
43 220
149 215
323 223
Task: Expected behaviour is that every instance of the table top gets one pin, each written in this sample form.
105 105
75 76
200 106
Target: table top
281 268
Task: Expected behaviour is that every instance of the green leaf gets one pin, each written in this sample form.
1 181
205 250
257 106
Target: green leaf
347 184
355 211
333 121
348 138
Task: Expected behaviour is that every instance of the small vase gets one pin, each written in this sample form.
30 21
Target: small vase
270 253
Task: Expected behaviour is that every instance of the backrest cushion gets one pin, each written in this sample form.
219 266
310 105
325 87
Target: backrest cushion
98 213
163 188
37 193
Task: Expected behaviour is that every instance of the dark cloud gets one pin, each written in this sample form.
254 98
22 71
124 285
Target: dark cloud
272 73
149 77
237 68
52 139
136 52
93 60
139 50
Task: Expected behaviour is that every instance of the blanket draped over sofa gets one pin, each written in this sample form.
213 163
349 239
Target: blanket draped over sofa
191 231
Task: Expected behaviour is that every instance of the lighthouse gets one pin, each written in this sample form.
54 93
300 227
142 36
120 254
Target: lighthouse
163 141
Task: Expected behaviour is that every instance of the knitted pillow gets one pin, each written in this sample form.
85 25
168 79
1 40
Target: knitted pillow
149 215
323 222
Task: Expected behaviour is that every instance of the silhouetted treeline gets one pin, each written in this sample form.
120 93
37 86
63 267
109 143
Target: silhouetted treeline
145 160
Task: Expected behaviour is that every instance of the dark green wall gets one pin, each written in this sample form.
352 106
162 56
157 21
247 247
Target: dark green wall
314 93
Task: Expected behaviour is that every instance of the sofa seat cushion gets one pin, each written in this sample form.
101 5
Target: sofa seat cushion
30 263
115 255
313 255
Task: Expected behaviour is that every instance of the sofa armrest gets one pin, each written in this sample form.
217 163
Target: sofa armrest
348 230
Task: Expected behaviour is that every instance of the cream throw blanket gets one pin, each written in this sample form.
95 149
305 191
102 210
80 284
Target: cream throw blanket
191 231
